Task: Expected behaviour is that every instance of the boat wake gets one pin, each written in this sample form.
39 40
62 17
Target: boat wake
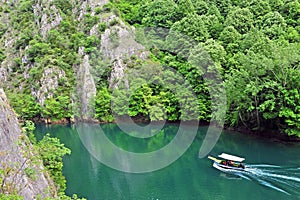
282 179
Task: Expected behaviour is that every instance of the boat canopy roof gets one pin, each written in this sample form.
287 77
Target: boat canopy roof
231 157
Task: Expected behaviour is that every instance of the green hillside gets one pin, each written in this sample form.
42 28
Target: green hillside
253 44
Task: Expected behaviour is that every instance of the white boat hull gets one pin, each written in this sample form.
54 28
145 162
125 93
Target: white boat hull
226 168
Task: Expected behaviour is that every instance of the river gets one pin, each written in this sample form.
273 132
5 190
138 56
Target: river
273 168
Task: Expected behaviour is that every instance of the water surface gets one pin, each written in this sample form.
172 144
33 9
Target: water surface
274 168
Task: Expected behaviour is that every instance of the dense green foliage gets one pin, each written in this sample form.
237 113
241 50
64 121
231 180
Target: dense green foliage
51 152
10 197
254 45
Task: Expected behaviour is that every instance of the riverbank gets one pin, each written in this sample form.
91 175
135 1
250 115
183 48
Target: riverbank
274 135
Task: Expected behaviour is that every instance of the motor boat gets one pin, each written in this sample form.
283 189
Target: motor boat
228 162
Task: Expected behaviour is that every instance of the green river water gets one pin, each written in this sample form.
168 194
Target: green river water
273 167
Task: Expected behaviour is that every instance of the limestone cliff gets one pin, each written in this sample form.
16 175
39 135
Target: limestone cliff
116 48
58 53
20 174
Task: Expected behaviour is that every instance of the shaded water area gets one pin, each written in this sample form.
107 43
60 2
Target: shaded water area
273 168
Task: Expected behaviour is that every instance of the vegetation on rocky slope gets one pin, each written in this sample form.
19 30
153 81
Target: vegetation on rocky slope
254 44
29 169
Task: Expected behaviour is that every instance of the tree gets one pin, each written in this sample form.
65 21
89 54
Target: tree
214 10
210 91
286 72
201 7
292 35
259 8
140 101
193 26
215 50
25 105
273 25
230 39
276 4
291 12
214 25
64 6
224 6
184 7
255 40
245 89
57 108
103 105
241 19
262 89
51 152
290 111
159 13
130 10
37 49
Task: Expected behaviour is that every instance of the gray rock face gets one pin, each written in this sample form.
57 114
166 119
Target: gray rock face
15 155
116 48
86 88
118 44
48 82
50 17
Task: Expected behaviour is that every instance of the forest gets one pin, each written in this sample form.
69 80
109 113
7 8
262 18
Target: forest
253 44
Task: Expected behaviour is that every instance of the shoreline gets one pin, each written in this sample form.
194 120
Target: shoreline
274 135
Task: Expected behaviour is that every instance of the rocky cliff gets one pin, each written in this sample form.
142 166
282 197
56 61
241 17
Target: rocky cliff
54 58
58 54
22 174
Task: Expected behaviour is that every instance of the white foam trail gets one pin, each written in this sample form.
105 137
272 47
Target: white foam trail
264 165
283 177
272 186
285 180
245 177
